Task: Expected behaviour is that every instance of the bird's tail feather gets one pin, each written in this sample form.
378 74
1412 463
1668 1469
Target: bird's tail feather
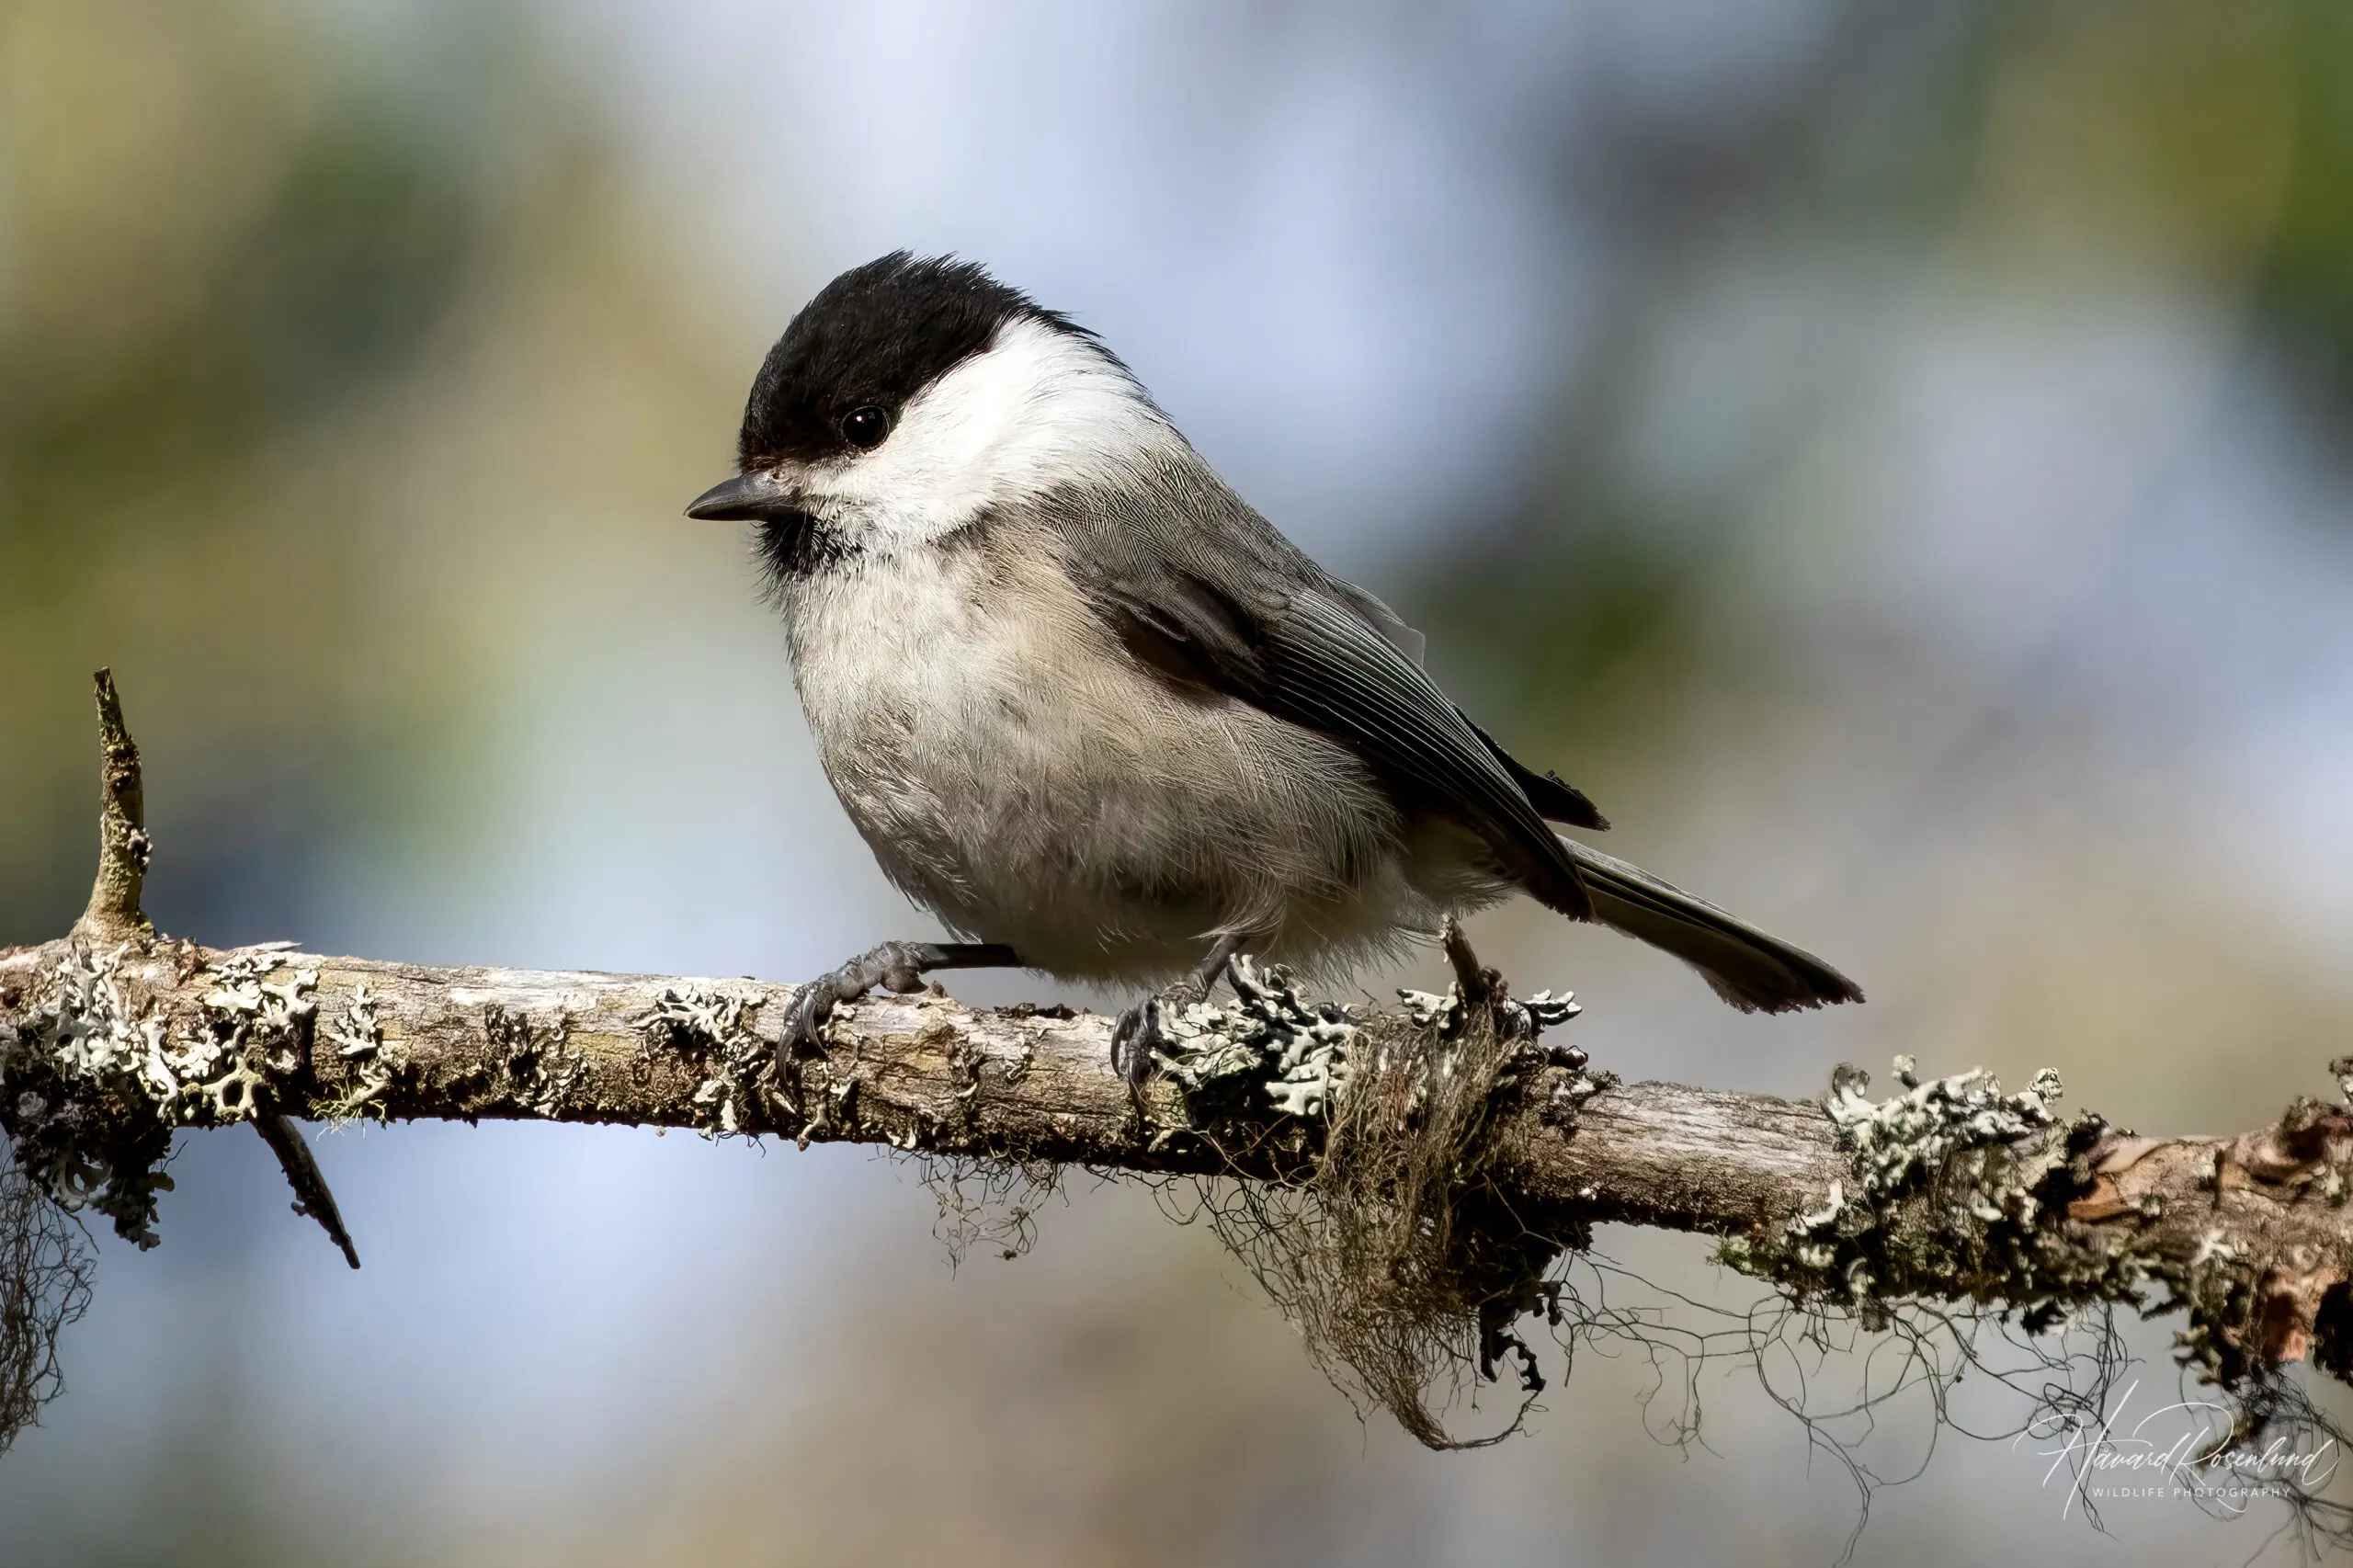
1745 967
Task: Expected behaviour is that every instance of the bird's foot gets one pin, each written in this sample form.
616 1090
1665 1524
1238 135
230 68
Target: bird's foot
895 966
1138 1032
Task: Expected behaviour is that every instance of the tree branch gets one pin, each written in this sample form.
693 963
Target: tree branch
114 914
111 1038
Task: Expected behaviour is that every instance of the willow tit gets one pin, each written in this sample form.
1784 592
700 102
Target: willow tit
1095 712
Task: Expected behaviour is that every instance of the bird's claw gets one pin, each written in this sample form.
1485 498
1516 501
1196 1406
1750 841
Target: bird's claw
1134 1037
1138 1032
804 1027
895 966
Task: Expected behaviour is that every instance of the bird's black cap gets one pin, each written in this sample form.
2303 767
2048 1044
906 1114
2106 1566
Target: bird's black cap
874 337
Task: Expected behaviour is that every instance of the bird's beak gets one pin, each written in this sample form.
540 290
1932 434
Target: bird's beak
750 498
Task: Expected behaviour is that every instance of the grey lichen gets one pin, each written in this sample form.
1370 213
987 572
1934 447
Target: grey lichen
1516 1017
81 1059
1519 1019
1271 1041
251 1026
1898 1141
358 1040
743 1086
92 1087
535 1060
1946 1184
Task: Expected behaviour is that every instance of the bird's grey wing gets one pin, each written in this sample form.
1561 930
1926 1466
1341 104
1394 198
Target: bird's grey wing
1241 613
1555 797
1387 621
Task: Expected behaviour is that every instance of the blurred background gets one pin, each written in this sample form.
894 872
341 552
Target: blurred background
1894 457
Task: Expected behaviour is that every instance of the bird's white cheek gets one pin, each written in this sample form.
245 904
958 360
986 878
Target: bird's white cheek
1038 409
886 500
924 482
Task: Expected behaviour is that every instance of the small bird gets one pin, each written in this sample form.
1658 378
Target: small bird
1098 715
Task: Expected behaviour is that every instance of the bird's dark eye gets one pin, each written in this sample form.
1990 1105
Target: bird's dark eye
865 427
